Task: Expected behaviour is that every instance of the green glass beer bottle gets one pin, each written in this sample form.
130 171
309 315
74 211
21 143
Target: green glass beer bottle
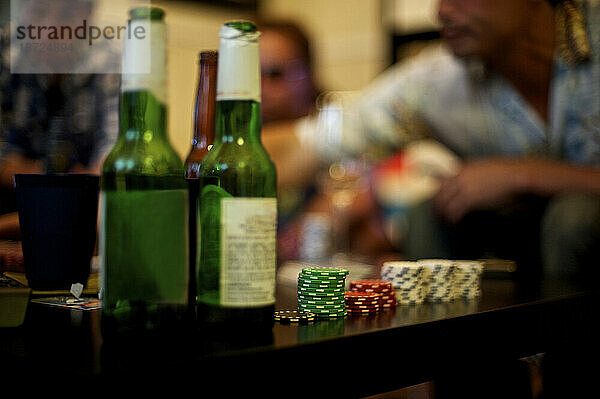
238 205
144 234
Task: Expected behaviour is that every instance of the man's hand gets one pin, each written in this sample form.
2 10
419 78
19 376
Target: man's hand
485 184
479 185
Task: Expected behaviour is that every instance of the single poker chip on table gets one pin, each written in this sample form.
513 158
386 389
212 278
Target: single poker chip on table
350 295
362 311
321 279
365 308
320 295
369 310
319 284
380 291
324 307
315 300
362 303
333 316
370 284
321 302
320 299
319 312
325 271
294 316
318 290
380 286
354 304
324 310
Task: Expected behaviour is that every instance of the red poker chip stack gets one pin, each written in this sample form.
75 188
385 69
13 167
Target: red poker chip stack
370 296
364 303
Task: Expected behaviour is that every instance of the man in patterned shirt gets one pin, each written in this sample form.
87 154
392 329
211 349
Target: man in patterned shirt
515 94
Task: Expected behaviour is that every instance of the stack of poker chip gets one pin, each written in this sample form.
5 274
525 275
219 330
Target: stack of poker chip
321 291
386 298
467 279
294 316
408 280
363 303
439 279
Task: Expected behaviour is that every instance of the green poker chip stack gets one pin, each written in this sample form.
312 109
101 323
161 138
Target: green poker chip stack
321 291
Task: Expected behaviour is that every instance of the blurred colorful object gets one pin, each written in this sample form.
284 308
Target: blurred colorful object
408 178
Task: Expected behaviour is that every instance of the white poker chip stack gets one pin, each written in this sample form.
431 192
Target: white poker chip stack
439 279
433 280
467 279
407 278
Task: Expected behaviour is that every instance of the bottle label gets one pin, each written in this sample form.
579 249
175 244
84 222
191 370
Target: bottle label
248 252
143 245
238 77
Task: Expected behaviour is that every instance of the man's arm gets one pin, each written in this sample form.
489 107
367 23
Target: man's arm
485 184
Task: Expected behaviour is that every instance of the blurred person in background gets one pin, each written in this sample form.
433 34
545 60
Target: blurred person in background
288 83
513 94
289 95
34 107
289 92
288 88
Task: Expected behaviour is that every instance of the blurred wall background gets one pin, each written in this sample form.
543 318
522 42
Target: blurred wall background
351 40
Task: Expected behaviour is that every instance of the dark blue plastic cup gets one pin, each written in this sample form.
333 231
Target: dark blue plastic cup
58 217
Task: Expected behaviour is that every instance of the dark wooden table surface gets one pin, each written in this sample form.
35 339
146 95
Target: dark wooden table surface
352 357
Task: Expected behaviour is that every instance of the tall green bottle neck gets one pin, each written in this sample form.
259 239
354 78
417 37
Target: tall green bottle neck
238 121
143 108
142 116
238 114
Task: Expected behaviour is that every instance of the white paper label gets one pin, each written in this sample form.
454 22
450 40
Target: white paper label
248 251
144 60
238 77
